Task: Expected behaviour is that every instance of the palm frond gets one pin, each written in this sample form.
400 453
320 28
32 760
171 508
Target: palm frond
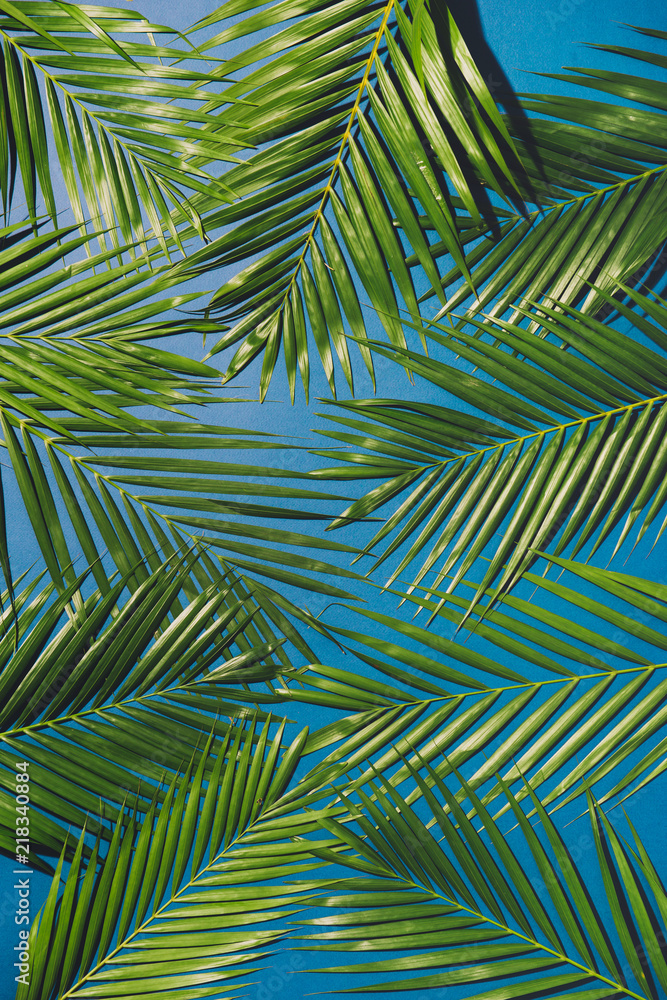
75 364
123 692
108 509
597 169
119 114
193 865
351 152
473 912
365 201
574 709
347 78
68 339
585 405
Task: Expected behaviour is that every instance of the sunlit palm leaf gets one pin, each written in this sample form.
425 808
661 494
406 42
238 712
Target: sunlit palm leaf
107 506
74 363
347 158
591 221
621 254
119 115
69 329
121 694
375 135
586 408
193 866
574 710
473 912
596 175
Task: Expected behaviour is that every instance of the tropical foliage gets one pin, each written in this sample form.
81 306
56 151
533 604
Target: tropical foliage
340 173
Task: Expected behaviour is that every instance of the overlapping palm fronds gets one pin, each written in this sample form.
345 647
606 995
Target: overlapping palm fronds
119 114
77 364
105 705
599 172
539 692
352 206
351 153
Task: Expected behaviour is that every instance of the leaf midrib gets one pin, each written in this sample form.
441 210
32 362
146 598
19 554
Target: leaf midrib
413 884
85 111
174 898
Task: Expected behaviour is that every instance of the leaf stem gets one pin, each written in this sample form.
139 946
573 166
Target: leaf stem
537 944
145 926
559 427
347 134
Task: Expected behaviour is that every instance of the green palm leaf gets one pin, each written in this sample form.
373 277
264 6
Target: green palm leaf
121 694
572 710
193 865
329 84
118 142
444 179
69 329
594 175
107 506
585 405
67 398
472 915
597 174
363 159
94 379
